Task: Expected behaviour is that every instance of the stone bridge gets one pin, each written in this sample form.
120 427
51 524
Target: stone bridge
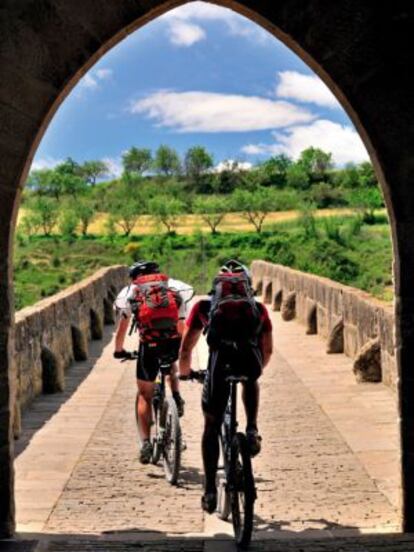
329 472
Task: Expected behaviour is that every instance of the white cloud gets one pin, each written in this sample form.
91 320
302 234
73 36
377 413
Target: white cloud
92 79
88 82
40 163
342 141
214 112
103 74
185 34
201 11
114 165
231 164
236 24
305 88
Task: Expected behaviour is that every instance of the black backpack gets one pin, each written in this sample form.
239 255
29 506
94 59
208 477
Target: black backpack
234 317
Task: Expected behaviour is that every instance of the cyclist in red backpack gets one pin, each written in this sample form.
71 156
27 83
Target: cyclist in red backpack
239 334
158 308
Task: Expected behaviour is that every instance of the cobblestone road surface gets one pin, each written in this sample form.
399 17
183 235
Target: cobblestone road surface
310 480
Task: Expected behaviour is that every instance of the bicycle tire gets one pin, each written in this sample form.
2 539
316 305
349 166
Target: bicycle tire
223 497
171 449
242 490
157 426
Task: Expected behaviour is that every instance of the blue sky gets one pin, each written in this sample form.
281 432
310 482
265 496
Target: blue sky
199 75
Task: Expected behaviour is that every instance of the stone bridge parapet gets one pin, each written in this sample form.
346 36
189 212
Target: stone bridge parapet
54 332
351 320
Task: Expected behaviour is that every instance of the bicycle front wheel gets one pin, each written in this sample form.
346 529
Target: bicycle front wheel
242 490
171 441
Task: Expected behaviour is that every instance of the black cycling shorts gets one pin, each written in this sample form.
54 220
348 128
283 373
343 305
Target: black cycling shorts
150 357
222 363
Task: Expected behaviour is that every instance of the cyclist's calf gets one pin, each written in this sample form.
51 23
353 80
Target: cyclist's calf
211 450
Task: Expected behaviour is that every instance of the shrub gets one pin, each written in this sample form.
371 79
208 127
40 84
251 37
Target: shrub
324 196
307 222
133 249
279 250
68 223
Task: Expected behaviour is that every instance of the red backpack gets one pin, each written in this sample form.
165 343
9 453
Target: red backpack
234 314
157 308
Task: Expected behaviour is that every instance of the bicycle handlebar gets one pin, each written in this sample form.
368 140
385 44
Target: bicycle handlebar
195 375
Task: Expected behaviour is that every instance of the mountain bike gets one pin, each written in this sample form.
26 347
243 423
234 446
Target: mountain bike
236 486
166 430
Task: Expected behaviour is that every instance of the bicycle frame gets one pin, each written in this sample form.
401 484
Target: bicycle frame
230 424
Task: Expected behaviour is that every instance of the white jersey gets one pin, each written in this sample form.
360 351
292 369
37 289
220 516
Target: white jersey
122 303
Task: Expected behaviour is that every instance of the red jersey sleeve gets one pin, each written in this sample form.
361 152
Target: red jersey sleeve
194 321
266 322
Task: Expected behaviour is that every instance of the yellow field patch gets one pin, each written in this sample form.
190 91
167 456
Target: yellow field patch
232 222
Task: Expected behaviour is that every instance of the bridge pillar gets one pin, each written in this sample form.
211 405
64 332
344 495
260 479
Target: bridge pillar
404 303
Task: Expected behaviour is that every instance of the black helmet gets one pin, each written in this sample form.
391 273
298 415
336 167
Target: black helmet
235 266
143 267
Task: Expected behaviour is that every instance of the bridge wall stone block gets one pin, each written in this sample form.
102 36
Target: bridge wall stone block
367 365
362 318
55 331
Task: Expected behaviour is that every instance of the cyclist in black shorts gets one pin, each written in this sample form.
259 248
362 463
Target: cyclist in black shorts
247 359
148 354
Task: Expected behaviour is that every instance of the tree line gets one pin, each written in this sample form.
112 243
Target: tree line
164 186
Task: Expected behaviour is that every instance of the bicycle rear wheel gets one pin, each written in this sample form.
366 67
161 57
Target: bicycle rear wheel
242 490
171 441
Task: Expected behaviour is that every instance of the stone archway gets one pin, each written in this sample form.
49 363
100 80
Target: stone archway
360 49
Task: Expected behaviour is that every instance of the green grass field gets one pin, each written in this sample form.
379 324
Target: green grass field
338 247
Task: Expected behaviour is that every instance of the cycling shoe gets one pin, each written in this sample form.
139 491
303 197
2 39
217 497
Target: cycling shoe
179 401
254 441
209 502
145 454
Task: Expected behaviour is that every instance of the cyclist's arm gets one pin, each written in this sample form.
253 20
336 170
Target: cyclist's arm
121 332
266 345
190 339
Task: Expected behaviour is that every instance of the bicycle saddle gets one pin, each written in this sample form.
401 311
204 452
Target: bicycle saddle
236 379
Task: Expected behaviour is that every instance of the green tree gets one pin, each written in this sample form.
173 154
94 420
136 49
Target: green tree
367 175
254 206
229 178
71 184
324 196
367 201
126 216
69 166
316 163
212 210
166 210
92 170
273 172
86 212
68 222
297 177
30 224
197 162
43 182
167 161
348 177
137 160
46 209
